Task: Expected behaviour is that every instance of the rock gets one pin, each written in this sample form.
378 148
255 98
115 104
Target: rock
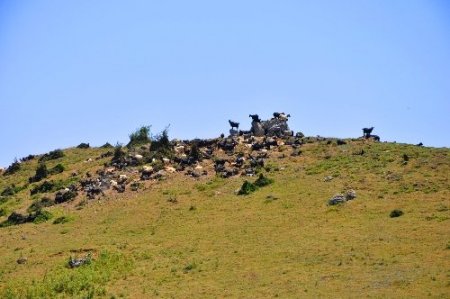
350 194
328 178
22 260
337 199
257 129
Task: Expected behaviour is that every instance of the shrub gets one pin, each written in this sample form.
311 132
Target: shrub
396 213
247 188
56 154
40 216
263 181
106 145
9 191
39 204
13 168
160 146
15 219
2 212
41 173
27 158
119 154
195 152
48 186
83 145
57 169
13 189
140 136
65 196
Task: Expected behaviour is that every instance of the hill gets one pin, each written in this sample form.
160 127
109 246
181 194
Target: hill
165 219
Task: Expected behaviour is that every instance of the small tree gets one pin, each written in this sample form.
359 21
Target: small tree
140 136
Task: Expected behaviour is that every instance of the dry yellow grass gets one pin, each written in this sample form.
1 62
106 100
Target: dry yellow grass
281 241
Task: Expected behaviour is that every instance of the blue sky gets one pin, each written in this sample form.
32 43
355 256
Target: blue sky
94 71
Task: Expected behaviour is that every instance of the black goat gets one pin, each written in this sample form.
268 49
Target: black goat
281 115
255 117
367 131
234 124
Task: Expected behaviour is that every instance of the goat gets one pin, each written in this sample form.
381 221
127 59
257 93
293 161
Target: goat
255 117
367 131
234 124
281 115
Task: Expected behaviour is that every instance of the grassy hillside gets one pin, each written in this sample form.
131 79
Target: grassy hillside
184 237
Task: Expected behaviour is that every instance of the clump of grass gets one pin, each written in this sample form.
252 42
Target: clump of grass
248 187
263 181
396 213
189 267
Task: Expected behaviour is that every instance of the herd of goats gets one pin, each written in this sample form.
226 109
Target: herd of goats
240 153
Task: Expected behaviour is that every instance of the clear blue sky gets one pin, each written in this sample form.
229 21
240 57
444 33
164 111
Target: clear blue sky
94 71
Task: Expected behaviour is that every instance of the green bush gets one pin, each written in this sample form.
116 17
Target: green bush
119 154
57 169
40 216
13 189
39 204
65 196
46 186
247 188
140 136
41 173
13 168
56 154
263 181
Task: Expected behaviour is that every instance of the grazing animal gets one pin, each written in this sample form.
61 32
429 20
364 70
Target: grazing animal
281 115
234 124
367 131
255 117
375 137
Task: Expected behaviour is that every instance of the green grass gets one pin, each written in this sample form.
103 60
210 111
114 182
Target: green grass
210 242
